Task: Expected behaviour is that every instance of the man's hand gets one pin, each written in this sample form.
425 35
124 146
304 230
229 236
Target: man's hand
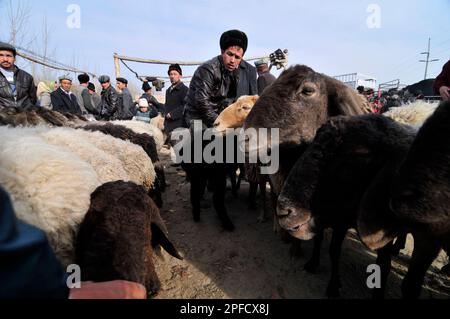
118 289
444 91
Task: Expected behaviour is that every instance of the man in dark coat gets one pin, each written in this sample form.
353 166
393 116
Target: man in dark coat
265 78
442 82
17 87
220 81
63 100
110 100
175 96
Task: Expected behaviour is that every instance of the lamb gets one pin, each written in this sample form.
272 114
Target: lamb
141 127
326 185
118 234
147 142
235 114
418 200
158 122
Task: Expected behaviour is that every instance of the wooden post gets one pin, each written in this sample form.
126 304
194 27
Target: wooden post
117 65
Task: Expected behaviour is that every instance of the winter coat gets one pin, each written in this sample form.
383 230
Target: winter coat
25 93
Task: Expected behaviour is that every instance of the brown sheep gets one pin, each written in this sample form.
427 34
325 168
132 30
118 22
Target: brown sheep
118 234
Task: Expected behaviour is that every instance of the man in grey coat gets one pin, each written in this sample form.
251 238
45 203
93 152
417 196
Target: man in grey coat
127 105
83 97
265 78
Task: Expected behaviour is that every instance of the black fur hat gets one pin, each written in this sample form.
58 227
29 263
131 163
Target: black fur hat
175 67
233 38
83 78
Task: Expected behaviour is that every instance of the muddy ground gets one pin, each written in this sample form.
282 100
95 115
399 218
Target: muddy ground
253 262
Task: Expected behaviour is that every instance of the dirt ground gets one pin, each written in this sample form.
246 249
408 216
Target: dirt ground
253 262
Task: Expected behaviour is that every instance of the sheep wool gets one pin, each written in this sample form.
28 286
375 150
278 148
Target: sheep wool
413 114
50 187
141 127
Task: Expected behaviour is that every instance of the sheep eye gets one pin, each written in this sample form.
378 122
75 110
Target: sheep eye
308 91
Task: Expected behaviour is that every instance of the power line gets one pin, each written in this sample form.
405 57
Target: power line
428 59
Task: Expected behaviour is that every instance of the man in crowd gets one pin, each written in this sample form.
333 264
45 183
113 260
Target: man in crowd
83 96
265 78
220 81
62 99
128 109
175 96
442 82
16 86
110 100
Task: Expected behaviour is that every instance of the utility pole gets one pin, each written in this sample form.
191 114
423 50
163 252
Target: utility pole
428 59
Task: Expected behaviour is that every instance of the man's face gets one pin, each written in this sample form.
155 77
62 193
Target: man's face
66 85
174 77
121 86
7 59
105 85
232 57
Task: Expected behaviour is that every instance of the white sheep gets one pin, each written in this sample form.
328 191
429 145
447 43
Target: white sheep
142 127
133 157
413 114
50 186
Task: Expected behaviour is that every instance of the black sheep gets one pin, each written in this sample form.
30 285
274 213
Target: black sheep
118 234
326 185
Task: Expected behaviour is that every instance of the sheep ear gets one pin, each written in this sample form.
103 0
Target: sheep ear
255 98
344 100
376 223
159 237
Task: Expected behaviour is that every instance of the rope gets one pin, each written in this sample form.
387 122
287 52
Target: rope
50 64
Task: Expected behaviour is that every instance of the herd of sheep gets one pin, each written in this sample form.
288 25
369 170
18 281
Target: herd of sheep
95 188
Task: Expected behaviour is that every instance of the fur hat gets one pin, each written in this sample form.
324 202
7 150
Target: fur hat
83 78
233 38
175 67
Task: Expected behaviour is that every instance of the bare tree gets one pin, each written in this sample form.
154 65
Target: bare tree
18 15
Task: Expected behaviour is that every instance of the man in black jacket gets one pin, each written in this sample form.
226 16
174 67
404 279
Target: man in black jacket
62 99
221 80
175 96
110 100
16 86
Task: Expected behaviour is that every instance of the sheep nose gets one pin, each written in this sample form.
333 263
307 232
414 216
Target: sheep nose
284 212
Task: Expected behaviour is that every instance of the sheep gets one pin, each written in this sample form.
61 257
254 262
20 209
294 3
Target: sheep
107 166
141 127
49 185
298 103
33 116
118 234
46 192
418 199
135 161
326 185
412 114
158 122
235 114
147 142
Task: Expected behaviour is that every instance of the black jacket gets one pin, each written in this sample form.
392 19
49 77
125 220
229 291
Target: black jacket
61 102
175 106
25 90
213 88
110 104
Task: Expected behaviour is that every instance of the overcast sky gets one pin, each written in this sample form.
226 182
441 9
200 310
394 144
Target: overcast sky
383 39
